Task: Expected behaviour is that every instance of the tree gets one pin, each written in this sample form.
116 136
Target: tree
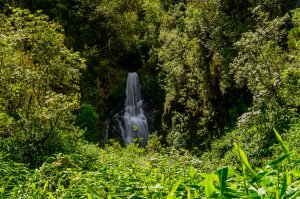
196 50
270 69
39 83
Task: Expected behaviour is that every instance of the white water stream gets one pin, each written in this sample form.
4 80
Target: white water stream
134 121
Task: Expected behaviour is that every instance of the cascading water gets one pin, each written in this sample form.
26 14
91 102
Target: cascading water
134 123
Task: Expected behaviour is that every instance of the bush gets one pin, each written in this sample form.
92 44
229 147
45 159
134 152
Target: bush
87 119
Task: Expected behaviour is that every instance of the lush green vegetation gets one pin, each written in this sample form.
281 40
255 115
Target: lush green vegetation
154 172
219 75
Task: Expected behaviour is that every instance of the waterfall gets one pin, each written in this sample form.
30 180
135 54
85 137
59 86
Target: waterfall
134 121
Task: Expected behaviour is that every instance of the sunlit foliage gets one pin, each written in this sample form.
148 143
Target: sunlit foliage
39 83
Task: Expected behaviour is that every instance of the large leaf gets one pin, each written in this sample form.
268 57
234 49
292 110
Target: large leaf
209 188
223 174
284 185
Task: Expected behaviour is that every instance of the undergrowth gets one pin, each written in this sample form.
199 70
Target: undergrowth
153 172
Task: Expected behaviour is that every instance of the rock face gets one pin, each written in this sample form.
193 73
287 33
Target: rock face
133 119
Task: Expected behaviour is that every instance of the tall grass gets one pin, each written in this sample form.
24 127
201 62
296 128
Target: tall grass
133 172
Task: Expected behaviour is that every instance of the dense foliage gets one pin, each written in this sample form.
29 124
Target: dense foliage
39 85
213 70
133 172
214 73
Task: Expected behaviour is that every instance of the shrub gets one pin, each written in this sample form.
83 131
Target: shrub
87 119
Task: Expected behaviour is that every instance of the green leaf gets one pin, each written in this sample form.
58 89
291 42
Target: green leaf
233 194
296 162
135 196
296 195
259 176
89 196
223 174
94 191
209 188
243 158
46 185
135 180
284 185
231 172
50 195
278 160
171 194
212 177
293 192
283 147
188 192
194 186
192 172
